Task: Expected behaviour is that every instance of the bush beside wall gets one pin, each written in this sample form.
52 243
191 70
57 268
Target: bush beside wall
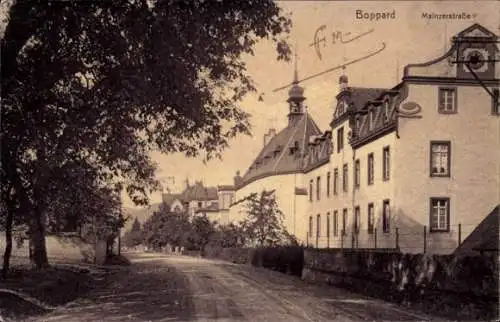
438 283
285 259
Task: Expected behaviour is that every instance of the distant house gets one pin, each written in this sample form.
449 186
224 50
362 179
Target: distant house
197 199
173 202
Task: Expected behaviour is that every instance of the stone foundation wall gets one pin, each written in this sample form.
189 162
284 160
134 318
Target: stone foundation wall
437 282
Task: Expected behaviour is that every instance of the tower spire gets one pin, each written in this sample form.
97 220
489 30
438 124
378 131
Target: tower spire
295 95
295 71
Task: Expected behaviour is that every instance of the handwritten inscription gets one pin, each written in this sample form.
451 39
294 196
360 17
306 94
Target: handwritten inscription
320 39
343 65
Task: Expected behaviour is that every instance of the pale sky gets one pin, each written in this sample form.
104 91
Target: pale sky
409 38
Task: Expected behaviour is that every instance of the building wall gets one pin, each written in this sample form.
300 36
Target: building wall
321 207
336 200
177 204
288 202
334 204
197 204
375 193
220 216
226 198
474 184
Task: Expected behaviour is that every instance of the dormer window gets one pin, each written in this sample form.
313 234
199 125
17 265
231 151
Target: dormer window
294 148
341 108
386 110
357 125
372 118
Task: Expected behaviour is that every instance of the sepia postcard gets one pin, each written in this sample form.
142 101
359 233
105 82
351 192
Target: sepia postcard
249 160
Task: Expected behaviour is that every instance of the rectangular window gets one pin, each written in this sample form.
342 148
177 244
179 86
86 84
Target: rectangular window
371 219
386 217
328 224
386 167
440 158
318 188
335 181
340 139
335 223
311 190
440 214
318 225
328 184
310 225
356 220
345 177
447 100
370 169
344 222
357 170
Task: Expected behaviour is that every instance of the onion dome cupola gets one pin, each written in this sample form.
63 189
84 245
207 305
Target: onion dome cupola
295 98
343 81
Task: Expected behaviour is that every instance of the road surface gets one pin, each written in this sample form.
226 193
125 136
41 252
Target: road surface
176 288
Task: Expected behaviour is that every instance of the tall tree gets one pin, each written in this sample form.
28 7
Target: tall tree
136 225
105 84
264 220
201 229
134 236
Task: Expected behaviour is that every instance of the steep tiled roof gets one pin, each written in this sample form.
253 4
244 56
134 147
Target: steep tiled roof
213 207
361 95
275 157
169 198
225 188
199 192
194 192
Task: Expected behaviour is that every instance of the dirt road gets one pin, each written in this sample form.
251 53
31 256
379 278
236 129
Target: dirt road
176 288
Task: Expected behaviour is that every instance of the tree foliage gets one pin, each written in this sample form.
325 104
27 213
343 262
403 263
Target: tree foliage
91 86
264 221
228 236
134 236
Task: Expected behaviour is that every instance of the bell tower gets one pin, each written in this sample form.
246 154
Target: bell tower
476 52
295 98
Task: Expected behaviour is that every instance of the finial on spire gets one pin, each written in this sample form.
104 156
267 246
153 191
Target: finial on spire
295 71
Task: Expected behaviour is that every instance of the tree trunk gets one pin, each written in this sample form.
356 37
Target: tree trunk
37 239
8 243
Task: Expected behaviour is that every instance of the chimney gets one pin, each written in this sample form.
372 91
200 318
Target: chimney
237 180
269 135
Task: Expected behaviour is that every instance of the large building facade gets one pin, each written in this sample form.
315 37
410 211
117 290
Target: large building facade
414 167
